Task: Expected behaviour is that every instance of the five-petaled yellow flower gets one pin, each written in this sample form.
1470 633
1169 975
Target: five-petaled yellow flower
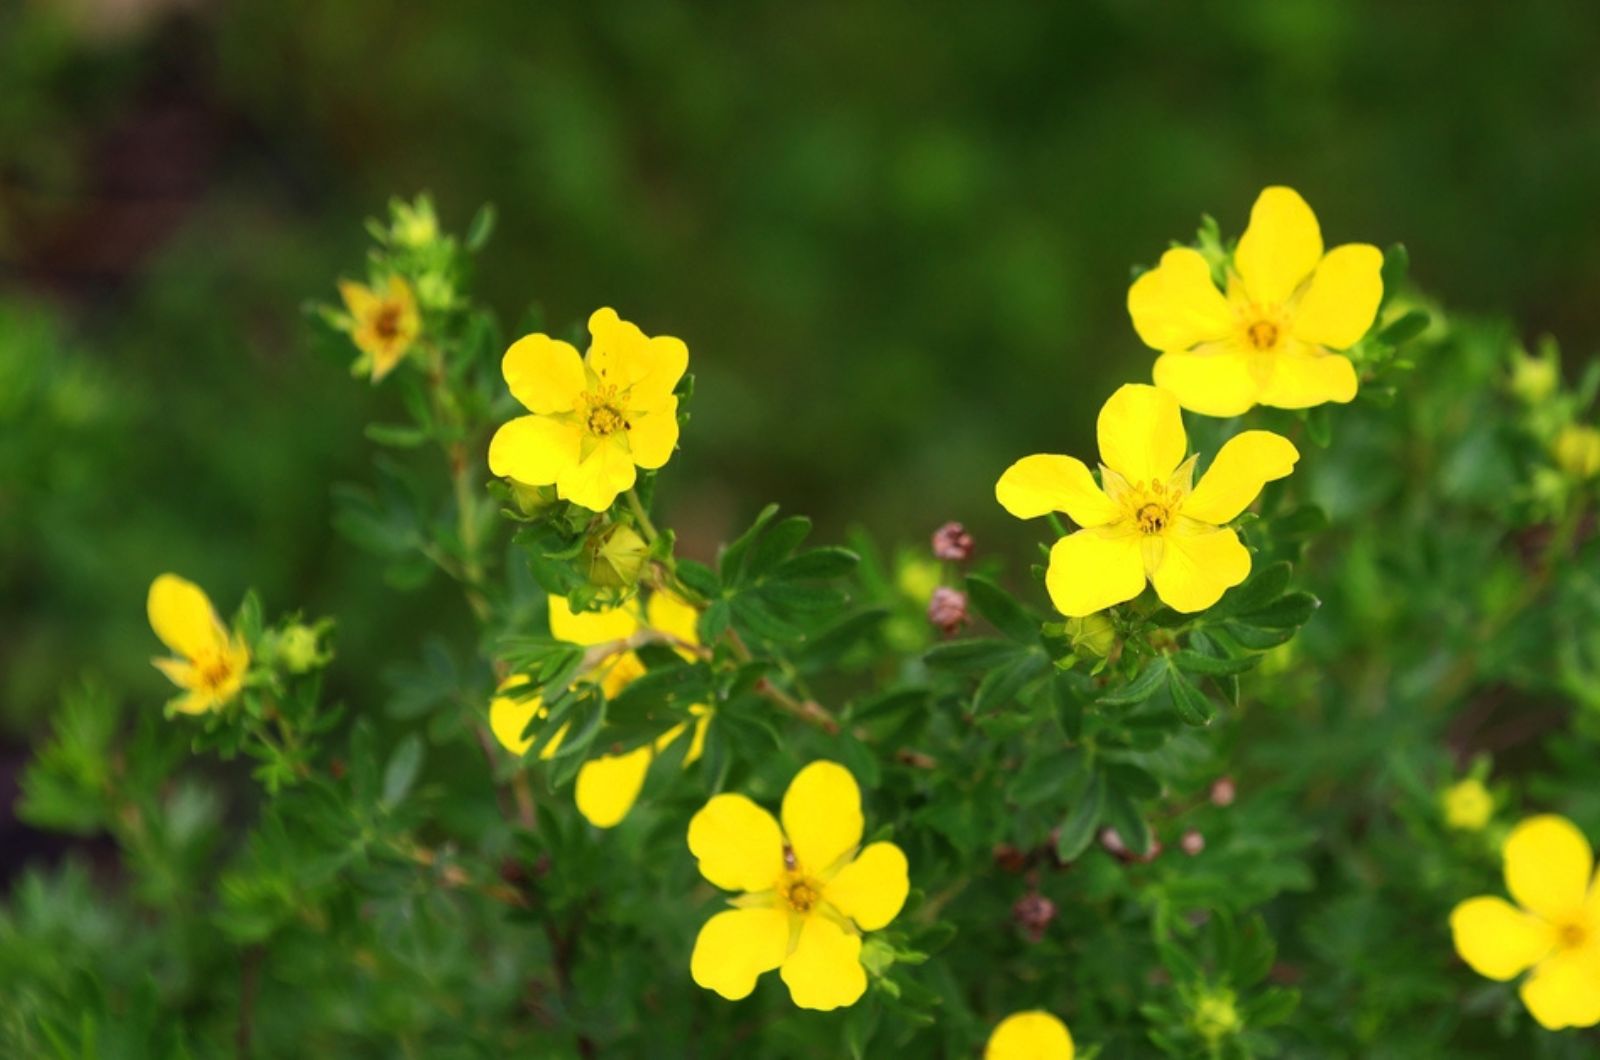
210 662
384 324
1144 519
809 892
607 786
594 419
1035 1035
1272 339
1549 870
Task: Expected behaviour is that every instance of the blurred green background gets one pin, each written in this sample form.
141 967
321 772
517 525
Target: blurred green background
896 238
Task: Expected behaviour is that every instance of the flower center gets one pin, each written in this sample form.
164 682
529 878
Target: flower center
605 415
214 673
801 894
1153 506
1572 935
1153 518
1263 334
387 323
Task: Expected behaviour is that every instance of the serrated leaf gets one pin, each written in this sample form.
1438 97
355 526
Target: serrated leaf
1139 689
1192 705
401 772
978 653
730 563
1289 611
699 579
1002 609
1195 663
1002 685
1077 830
817 563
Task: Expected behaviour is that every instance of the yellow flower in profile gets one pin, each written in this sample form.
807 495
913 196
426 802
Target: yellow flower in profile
1467 805
607 786
1035 1035
809 890
1273 338
594 419
1549 869
1144 519
1577 450
384 325
210 662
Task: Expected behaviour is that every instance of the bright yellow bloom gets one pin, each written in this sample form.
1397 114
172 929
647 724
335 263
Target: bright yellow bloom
383 325
809 890
1035 1035
1468 805
595 418
1144 519
1577 450
608 785
210 662
1271 339
1549 870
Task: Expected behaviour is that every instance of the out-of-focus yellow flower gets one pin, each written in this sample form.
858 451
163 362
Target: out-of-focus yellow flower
299 649
1271 340
1144 519
1467 805
415 224
1577 450
1549 869
607 786
1534 379
383 325
210 662
594 419
1035 1035
918 577
809 890
1215 1015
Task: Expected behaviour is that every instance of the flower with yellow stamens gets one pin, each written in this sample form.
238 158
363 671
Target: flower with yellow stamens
383 324
1274 337
595 419
1550 871
210 662
608 785
1145 519
809 890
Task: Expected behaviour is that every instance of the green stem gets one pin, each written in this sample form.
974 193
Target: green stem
642 518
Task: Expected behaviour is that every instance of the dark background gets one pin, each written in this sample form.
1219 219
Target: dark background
896 238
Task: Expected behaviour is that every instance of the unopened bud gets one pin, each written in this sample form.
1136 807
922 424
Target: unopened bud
531 500
1033 914
1577 451
1223 791
947 609
1533 379
297 647
1093 635
616 557
952 542
1193 842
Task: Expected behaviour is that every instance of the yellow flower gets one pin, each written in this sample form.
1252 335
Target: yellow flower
210 662
1577 450
809 891
1271 339
1143 519
1468 805
1035 1035
1534 379
609 785
1548 867
384 325
595 418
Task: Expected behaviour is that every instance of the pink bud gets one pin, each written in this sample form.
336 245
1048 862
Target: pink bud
1033 914
947 609
1193 842
1223 791
952 542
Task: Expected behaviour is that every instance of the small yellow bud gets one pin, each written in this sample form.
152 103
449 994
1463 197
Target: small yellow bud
1467 805
616 557
414 223
1534 379
1215 1015
531 500
1092 634
1577 451
297 648
918 578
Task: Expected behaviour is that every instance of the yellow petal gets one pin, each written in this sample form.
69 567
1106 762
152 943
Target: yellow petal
1033 1035
545 374
1214 381
1046 482
1497 939
535 450
1141 435
199 701
1093 569
591 627
1280 248
182 616
824 972
622 671
668 358
737 843
595 482
735 947
1176 305
653 434
1342 300
1198 564
1548 863
509 715
822 815
872 888
670 615
1242 466
359 299
608 785
697 742
1302 378
1564 990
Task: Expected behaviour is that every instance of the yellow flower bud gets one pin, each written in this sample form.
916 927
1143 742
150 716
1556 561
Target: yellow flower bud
1092 635
414 223
1534 379
1467 805
531 500
616 557
1215 1015
918 578
297 647
1577 451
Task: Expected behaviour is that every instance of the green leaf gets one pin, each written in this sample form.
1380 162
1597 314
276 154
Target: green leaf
1139 784
978 653
1140 688
1290 611
481 228
1396 266
1122 814
1192 705
1195 663
1045 775
775 545
396 436
1264 585
1406 328
401 772
1001 609
1001 686
731 563
1077 831
699 579
829 562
